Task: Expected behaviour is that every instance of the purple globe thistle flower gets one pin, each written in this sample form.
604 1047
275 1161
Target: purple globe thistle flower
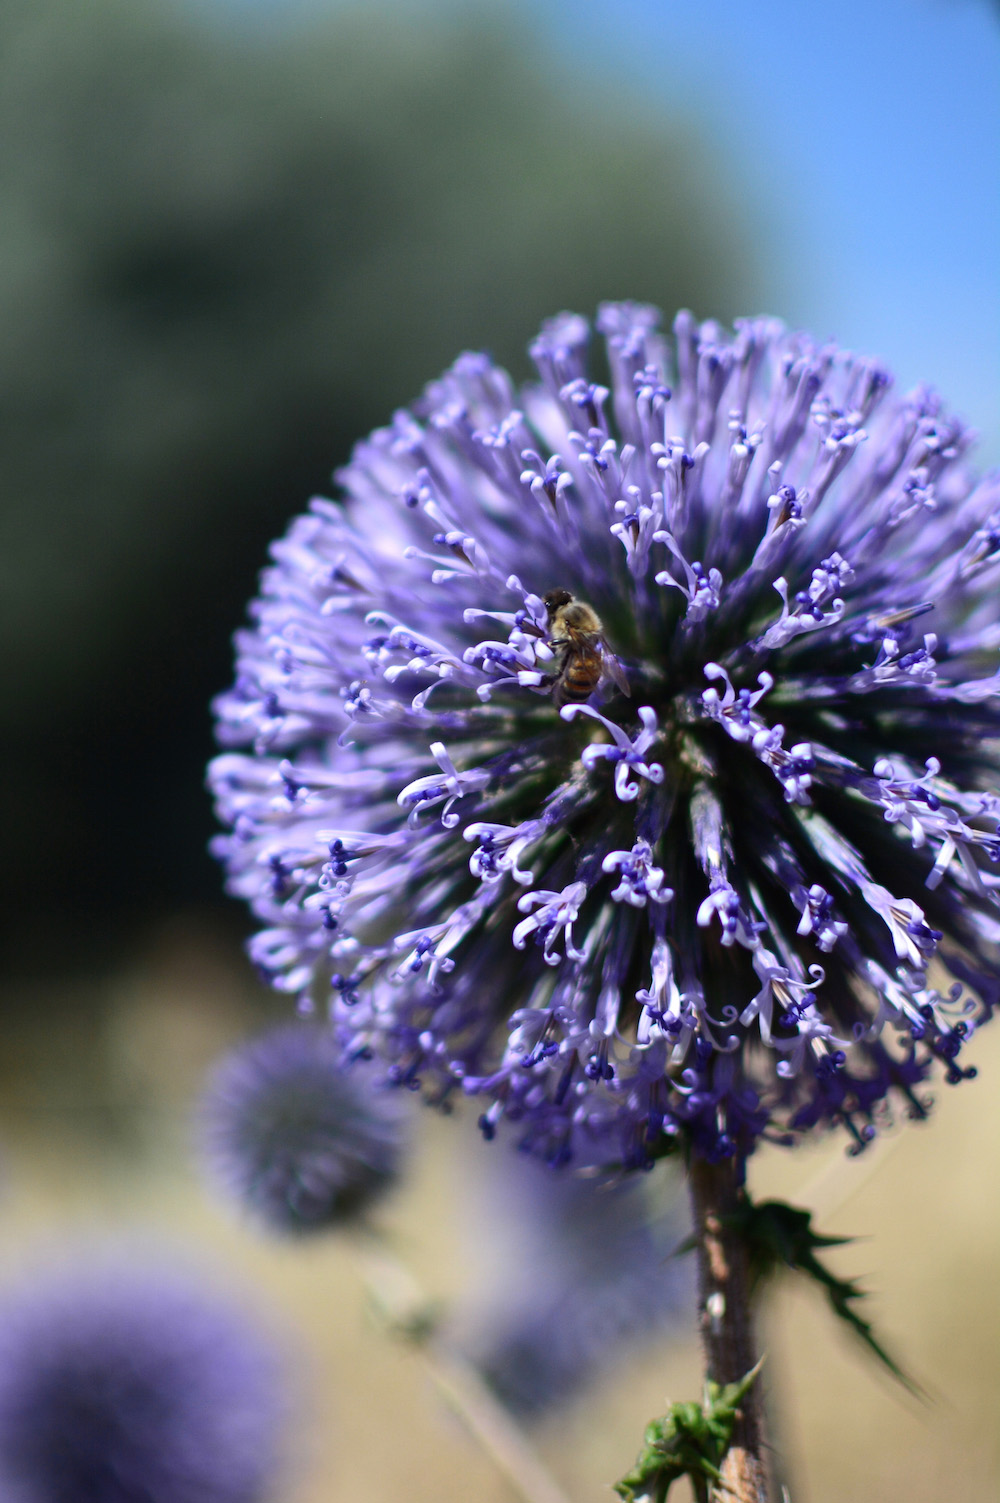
303 1144
744 898
121 1385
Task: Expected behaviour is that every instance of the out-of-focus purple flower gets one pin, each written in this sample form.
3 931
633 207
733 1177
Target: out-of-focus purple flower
582 1275
745 898
123 1385
296 1138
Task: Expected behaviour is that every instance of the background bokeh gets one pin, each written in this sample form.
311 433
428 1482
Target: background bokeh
234 234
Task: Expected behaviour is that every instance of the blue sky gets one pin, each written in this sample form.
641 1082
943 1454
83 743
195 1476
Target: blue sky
866 137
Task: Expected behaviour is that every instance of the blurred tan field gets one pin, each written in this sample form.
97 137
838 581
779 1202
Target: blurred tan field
96 1140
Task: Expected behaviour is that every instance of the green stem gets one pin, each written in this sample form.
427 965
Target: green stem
403 1308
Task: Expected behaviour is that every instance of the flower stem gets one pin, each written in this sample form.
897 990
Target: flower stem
404 1308
725 1323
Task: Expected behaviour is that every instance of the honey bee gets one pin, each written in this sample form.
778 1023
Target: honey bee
583 657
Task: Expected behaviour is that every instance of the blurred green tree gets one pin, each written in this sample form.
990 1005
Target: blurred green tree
223 256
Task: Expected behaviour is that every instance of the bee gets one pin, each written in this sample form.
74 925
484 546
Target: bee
583 657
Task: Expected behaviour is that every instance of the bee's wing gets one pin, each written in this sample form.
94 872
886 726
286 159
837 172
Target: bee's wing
613 667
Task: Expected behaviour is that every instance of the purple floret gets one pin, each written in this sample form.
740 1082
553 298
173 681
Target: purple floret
754 896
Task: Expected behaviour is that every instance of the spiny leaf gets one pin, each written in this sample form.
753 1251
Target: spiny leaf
778 1234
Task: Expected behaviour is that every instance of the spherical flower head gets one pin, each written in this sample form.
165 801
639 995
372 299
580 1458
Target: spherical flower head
582 1275
124 1386
622 749
301 1142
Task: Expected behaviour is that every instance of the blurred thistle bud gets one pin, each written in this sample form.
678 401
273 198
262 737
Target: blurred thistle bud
581 1274
300 1139
126 1385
